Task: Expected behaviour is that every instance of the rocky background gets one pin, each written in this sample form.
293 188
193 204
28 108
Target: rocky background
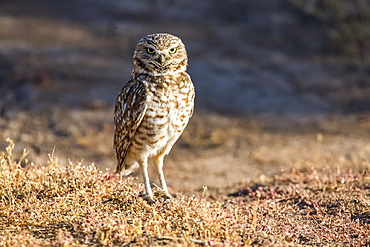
280 84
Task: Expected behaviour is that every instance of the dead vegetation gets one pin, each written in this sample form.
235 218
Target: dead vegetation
72 204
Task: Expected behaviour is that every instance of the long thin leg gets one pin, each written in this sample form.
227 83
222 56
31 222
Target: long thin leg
158 164
148 189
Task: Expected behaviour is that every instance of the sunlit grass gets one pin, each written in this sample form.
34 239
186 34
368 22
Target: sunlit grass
72 204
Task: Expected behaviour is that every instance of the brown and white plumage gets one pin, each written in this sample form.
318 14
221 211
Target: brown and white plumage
154 107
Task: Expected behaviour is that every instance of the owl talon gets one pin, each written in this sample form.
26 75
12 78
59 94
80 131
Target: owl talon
167 197
163 195
149 199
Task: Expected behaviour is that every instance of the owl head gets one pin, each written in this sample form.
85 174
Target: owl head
160 54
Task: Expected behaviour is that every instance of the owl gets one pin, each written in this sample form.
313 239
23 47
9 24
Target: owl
153 108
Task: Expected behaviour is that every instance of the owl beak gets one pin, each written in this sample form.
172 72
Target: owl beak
160 59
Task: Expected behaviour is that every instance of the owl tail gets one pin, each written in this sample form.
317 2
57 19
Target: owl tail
125 169
120 165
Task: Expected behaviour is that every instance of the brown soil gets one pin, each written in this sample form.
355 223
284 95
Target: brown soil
267 98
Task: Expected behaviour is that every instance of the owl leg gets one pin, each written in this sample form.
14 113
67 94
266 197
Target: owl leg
144 169
158 164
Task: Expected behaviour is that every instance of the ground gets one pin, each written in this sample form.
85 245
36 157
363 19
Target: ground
272 91
277 151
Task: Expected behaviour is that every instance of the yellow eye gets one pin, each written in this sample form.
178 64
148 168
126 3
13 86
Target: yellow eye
150 50
173 50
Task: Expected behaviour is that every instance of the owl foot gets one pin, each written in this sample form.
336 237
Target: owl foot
162 194
149 199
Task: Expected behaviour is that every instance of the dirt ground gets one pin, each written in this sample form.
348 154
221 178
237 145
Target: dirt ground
270 95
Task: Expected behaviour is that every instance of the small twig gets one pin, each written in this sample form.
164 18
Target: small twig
197 241
24 155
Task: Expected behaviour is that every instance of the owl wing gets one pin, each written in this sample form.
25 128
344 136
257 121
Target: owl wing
129 111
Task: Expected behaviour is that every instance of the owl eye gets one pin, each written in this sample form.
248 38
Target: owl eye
150 50
172 50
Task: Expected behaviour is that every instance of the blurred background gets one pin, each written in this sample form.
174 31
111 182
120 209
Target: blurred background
280 84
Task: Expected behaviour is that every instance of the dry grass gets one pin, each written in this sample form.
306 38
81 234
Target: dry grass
55 205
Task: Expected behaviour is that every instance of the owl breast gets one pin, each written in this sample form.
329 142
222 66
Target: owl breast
169 107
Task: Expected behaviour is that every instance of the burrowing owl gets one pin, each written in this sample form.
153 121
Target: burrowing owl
154 107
